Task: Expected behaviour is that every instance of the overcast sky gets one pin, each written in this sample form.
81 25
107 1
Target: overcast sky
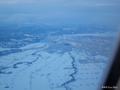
33 11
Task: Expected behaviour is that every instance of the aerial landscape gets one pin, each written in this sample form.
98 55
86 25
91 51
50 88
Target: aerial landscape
56 44
65 59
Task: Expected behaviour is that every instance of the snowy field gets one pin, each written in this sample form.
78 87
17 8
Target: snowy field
58 63
35 69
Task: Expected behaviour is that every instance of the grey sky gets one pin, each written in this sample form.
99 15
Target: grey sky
95 11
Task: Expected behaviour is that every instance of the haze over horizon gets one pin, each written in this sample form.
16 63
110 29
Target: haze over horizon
103 12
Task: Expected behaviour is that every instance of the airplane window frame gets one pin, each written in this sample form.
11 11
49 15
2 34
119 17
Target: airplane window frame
111 75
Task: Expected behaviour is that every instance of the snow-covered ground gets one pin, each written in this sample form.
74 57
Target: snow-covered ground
33 68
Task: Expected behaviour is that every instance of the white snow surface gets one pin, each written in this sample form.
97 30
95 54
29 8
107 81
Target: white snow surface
36 69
